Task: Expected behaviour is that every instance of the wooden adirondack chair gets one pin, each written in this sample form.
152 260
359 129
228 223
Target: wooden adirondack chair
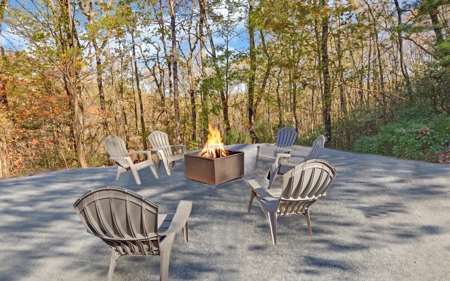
131 225
160 144
117 151
314 153
302 186
285 141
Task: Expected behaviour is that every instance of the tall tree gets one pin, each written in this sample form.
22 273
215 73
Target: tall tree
252 75
176 103
3 96
324 68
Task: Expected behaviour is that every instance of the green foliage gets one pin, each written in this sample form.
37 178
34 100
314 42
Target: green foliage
416 134
307 140
431 88
234 137
192 145
361 122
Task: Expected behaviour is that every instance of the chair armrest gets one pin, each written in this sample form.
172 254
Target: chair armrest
161 155
117 158
149 154
281 156
259 190
270 199
179 219
121 158
265 145
284 168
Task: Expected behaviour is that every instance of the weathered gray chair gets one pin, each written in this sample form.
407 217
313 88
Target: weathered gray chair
314 153
160 144
285 141
302 186
131 225
117 151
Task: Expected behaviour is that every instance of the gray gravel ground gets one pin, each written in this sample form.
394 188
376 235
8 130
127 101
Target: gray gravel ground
383 219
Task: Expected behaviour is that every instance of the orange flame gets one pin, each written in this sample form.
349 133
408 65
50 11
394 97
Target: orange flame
214 147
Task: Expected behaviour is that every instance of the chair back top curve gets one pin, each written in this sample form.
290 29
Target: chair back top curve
286 137
307 182
116 147
126 221
159 140
317 147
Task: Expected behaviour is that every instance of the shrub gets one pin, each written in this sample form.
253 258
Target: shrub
416 134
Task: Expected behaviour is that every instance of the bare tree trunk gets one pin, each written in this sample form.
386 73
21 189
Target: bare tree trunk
342 98
167 56
98 61
380 65
78 110
280 116
252 78
138 88
327 98
122 95
3 96
204 92
223 94
176 105
400 46
294 101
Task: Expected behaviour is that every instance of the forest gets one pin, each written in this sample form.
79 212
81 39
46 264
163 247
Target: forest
373 76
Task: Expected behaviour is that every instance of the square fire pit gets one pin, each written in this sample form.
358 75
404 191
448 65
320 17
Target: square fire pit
214 171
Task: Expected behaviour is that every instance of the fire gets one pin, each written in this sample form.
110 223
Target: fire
214 147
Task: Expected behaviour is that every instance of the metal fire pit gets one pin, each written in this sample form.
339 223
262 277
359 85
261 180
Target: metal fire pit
214 171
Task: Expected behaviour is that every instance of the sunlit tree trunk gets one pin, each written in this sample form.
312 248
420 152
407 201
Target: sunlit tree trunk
75 88
138 88
3 96
176 106
203 90
327 98
252 76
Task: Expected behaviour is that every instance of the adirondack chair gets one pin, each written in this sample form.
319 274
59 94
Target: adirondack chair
117 151
301 187
131 225
314 153
285 141
160 144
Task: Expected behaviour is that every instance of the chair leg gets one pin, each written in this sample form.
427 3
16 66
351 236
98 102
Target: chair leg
185 232
308 222
165 251
167 168
153 169
272 218
112 264
136 175
252 195
119 172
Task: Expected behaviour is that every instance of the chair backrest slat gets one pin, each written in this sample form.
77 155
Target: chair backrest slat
117 216
116 147
304 184
286 137
160 140
316 149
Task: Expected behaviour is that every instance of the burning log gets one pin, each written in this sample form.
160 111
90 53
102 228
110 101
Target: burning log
214 147
215 151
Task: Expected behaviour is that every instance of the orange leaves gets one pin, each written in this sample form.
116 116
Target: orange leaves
33 142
